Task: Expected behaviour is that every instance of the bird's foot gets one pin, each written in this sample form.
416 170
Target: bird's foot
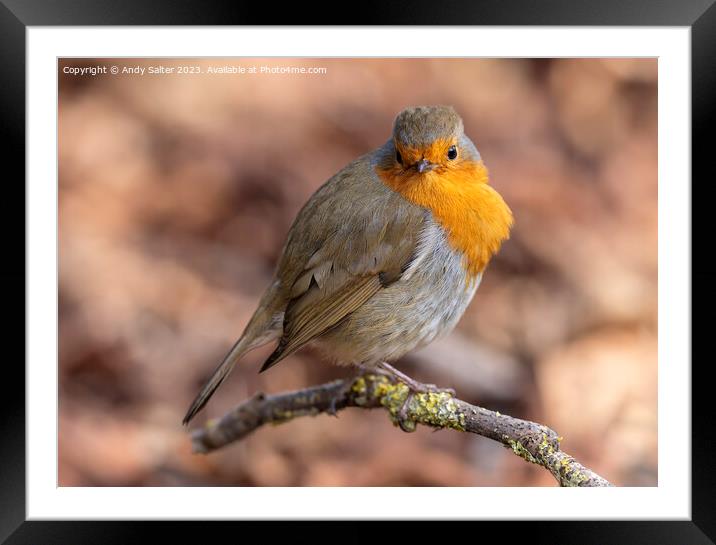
340 396
414 387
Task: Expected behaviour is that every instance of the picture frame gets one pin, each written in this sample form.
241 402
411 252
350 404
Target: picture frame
17 15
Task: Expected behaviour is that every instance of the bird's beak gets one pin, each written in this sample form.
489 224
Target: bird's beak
423 165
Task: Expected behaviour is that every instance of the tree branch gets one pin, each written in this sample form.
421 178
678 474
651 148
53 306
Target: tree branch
531 441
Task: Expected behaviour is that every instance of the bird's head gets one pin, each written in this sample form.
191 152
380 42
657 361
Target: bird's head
430 138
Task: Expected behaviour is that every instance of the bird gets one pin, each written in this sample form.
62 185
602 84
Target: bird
384 257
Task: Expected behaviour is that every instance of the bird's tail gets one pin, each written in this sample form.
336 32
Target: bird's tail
220 373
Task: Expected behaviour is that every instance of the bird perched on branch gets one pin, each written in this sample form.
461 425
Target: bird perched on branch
385 256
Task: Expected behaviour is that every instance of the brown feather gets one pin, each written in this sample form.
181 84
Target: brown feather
311 320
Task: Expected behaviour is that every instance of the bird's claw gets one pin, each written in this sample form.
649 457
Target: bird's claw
332 408
403 420
340 396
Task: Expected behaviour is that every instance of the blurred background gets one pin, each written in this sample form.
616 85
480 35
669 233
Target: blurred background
176 193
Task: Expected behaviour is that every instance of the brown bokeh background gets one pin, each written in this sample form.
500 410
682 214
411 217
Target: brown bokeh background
176 193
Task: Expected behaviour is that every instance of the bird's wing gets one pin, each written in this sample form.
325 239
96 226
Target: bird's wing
354 237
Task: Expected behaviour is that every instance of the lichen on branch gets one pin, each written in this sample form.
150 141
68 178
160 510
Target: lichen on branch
531 441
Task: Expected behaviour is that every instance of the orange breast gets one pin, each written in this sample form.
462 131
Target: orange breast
475 217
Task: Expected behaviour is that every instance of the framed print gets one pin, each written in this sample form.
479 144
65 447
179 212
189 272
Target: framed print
208 195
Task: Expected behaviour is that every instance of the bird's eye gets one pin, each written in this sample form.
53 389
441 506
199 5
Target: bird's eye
452 152
398 157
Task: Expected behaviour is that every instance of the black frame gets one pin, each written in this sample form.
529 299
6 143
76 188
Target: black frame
15 15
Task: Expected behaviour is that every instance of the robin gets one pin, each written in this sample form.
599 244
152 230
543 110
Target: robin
385 256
